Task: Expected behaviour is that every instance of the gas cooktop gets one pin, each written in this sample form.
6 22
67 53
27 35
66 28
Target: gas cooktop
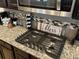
50 44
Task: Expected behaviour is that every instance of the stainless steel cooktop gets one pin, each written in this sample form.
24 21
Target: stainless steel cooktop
43 42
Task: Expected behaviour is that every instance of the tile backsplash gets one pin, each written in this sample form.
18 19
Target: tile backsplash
21 16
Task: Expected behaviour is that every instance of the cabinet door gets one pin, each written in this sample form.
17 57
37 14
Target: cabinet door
7 53
12 1
6 50
1 53
2 3
21 54
32 57
12 4
20 57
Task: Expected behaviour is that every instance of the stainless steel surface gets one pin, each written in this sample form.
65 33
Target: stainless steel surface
42 11
50 12
76 11
73 6
58 4
1 53
68 14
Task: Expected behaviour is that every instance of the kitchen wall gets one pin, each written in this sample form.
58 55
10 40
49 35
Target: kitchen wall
63 19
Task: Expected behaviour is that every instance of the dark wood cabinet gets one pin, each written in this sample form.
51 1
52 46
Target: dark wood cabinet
20 54
3 3
32 57
6 51
20 57
9 52
12 4
1 53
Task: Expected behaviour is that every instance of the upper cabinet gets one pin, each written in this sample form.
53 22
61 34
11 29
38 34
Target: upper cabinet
12 1
12 4
3 3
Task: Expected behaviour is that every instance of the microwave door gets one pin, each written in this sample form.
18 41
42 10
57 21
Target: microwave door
44 4
66 5
50 4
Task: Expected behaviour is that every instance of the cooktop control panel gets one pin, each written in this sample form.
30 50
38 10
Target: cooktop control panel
43 42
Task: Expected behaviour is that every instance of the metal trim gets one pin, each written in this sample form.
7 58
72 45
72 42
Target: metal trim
17 2
73 5
58 5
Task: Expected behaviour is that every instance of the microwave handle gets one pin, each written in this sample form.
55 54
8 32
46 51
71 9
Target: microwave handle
58 6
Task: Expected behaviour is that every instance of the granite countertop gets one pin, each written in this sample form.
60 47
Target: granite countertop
9 36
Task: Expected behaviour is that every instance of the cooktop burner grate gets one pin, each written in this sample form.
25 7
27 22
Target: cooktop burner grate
42 42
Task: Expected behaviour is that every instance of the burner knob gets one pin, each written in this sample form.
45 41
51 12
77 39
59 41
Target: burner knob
39 49
36 48
32 45
26 40
28 45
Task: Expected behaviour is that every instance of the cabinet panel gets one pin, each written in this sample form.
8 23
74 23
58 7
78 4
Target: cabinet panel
20 54
12 1
7 53
5 45
6 50
0 56
3 3
20 57
76 11
32 57
1 53
12 4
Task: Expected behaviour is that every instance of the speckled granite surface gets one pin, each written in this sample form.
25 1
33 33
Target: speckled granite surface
70 52
9 36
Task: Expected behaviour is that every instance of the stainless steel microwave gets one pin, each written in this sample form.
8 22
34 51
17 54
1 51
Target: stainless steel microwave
52 7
